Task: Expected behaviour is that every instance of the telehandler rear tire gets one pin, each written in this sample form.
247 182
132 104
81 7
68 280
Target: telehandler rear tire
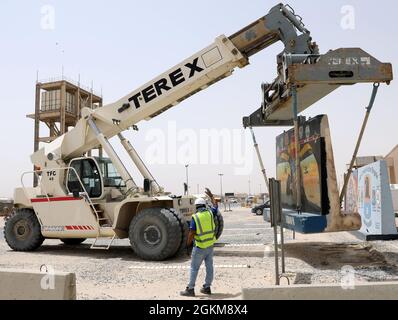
22 231
155 234
73 242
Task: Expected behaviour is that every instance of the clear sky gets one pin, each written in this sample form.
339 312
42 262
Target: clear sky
120 45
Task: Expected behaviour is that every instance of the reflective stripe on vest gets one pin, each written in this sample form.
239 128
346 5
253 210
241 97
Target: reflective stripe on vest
205 229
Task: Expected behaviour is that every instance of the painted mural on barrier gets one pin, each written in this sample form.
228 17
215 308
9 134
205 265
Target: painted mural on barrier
369 192
319 190
369 198
312 163
351 198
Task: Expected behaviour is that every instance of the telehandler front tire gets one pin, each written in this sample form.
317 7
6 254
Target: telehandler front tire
155 234
184 232
22 231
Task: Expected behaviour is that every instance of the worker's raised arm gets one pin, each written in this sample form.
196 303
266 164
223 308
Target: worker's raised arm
212 198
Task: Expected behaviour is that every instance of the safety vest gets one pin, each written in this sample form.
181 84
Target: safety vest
205 230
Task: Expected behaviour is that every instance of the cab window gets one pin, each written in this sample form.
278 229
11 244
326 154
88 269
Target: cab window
89 176
111 177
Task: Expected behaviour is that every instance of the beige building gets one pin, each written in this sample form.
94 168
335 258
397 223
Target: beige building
391 159
392 163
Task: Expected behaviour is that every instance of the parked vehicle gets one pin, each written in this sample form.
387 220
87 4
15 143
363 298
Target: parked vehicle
259 210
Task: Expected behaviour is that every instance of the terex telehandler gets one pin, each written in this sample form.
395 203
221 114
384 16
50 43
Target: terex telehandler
80 197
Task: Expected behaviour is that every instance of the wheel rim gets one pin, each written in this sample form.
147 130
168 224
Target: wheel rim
152 235
22 230
259 212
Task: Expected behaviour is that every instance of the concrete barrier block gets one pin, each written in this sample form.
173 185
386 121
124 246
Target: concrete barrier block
31 285
369 291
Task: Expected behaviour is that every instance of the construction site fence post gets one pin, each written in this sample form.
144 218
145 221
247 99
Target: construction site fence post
276 219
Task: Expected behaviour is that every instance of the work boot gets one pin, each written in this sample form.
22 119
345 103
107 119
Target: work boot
188 292
205 290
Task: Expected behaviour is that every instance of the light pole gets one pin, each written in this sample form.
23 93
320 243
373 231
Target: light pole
261 193
186 169
221 175
250 192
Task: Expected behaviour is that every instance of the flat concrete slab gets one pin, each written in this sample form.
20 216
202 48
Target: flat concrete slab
371 291
32 285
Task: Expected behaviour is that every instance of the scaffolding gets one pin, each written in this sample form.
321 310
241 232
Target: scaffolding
58 105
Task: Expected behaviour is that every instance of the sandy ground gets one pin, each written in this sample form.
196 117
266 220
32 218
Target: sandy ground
243 258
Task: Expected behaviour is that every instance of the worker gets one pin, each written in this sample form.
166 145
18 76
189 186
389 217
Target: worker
203 230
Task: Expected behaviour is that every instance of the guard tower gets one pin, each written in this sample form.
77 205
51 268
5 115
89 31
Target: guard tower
58 105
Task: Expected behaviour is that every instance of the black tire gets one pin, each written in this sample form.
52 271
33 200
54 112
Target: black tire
73 242
259 212
155 234
22 231
219 220
184 231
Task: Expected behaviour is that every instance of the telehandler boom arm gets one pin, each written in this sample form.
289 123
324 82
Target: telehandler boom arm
194 74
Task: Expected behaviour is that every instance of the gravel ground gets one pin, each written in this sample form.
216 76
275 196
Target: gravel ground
243 258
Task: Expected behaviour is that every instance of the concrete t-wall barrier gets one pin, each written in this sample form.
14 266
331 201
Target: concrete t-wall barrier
370 291
31 285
